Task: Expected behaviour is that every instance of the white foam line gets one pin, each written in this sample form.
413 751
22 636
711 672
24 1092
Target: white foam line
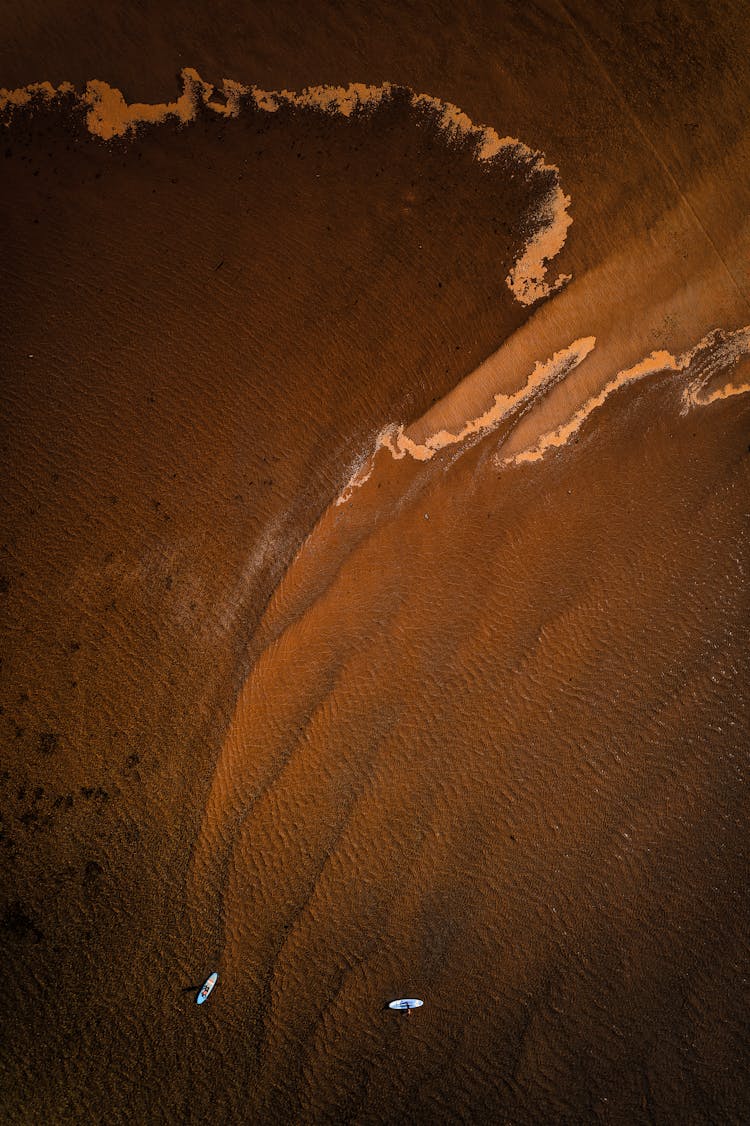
397 442
109 116
733 348
717 350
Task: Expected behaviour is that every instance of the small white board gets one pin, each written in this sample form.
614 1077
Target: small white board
406 1003
206 988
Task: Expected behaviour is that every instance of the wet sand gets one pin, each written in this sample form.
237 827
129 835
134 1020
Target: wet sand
374 625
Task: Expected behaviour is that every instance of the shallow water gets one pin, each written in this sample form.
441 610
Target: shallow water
476 733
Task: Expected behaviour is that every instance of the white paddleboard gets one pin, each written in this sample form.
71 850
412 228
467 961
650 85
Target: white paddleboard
406 1003
206 988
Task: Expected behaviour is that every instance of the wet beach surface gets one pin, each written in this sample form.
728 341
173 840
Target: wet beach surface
477 734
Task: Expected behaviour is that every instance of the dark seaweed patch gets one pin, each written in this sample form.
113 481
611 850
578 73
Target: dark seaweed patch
97 792
19 925
91 874
48 743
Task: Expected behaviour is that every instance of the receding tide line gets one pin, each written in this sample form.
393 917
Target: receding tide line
715 353
108 115
545 375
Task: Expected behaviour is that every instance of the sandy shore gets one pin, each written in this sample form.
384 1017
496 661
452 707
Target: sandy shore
374 599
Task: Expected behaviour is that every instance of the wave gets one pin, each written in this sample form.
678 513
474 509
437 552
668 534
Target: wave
715 353
399 444
109 116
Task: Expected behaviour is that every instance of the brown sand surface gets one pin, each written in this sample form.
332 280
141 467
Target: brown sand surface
347 711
